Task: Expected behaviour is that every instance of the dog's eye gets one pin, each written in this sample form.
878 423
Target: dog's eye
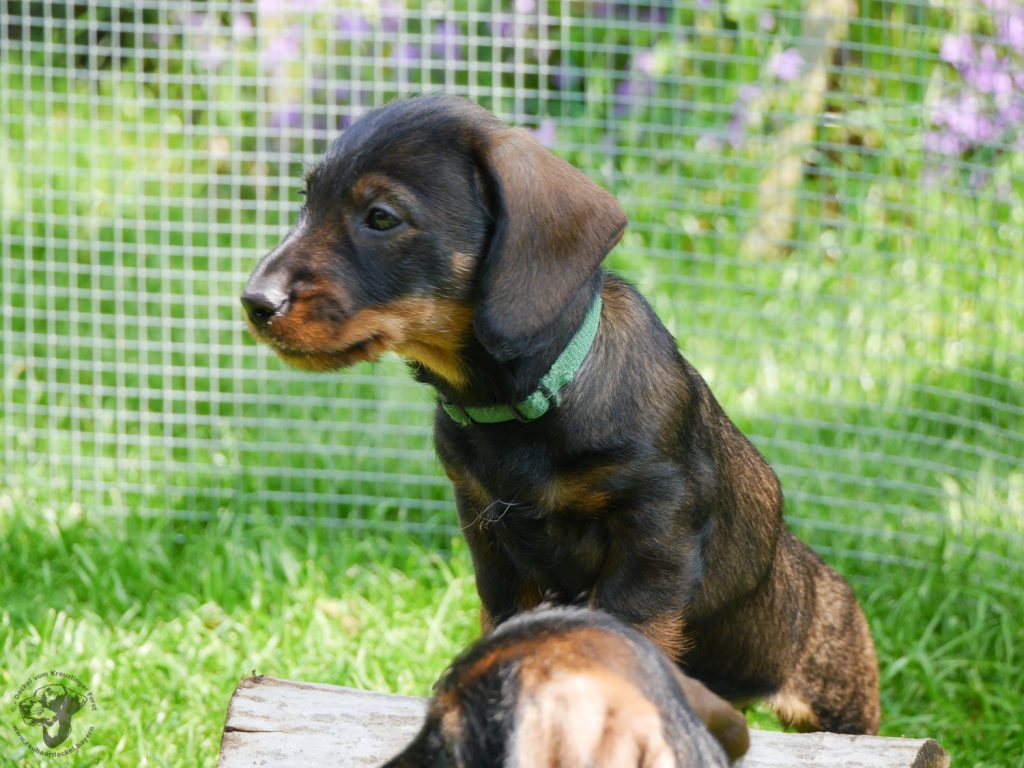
381 219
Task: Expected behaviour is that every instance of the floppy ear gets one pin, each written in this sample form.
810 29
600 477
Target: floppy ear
553 227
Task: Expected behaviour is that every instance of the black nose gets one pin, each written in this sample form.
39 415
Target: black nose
260 307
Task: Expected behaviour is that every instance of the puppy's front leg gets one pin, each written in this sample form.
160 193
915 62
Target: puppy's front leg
503 592
648 579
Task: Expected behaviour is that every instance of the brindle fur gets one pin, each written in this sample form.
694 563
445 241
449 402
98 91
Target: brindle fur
637 493
566 687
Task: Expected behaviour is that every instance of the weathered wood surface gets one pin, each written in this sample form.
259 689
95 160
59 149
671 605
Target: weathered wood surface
287 723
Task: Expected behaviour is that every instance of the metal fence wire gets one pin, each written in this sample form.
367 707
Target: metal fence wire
825 204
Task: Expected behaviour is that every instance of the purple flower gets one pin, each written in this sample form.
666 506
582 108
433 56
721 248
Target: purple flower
405 54
273 7
988 55
1012 114
1011 30
957 50
282 49
766 22
971 120
210 50
979 178
631 92
279 7
446 41
359 100
503 26
545 133
987 105
785 65
987 77
353 26
241 26
737 127
639 83
525 6
987 72
943 143
659 15
565 78
391 16
974 127
287 116
748 92
625 96
643 62
213 54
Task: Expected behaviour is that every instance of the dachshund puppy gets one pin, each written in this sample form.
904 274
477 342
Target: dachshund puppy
567 688
588 457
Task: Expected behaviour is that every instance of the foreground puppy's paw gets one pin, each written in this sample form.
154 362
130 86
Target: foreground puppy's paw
588 719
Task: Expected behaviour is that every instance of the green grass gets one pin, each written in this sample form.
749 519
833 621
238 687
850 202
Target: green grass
160 619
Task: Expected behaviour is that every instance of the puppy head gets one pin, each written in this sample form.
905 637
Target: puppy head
384 249
427 223
567 686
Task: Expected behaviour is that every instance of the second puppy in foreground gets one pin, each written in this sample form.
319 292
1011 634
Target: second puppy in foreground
588 457
567 688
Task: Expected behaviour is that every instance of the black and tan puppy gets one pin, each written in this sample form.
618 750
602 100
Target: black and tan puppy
567 688
588 457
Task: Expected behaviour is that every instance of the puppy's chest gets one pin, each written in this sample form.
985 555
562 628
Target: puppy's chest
553 522
558 546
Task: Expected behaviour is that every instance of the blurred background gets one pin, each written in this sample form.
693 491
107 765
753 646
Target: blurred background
826 208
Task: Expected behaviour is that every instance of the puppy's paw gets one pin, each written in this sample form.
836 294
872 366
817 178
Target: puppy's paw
586 718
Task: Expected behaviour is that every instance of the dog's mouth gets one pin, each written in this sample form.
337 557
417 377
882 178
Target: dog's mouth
368 349
427 331
327 358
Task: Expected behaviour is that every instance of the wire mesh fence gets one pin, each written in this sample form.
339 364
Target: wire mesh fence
825 202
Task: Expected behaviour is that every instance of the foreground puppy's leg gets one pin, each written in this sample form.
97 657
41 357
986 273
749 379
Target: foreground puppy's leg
726 724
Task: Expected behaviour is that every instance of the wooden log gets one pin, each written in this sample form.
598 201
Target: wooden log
286 723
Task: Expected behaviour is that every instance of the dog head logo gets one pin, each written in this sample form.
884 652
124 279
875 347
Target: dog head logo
51 707
51 702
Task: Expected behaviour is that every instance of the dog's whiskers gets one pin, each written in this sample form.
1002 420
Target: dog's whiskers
484 519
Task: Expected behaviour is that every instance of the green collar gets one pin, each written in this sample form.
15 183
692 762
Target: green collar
548 391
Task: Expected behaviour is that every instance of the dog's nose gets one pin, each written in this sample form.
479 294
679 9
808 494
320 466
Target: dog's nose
261 306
